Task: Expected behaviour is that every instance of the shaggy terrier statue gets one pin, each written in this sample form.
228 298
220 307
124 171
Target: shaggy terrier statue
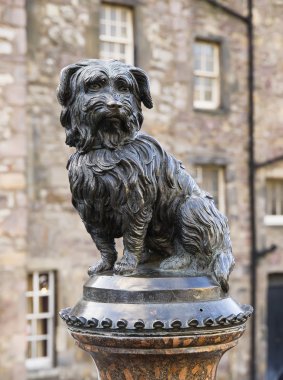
124 184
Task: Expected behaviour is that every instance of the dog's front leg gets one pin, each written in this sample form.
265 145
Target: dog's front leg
106 246
133 240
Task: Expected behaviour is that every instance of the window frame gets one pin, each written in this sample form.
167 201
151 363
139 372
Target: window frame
277 218
214 104
220 181
128 41
42 362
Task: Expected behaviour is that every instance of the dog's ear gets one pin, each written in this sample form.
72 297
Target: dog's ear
143 85
64 92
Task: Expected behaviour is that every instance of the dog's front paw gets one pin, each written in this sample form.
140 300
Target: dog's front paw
101 266
126 265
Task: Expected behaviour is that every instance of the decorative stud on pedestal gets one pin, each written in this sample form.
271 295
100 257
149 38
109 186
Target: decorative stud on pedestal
163 310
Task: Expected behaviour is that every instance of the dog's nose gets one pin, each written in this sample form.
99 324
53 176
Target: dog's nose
114 105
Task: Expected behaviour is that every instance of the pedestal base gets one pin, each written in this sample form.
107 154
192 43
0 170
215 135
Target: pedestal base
155 325
180 357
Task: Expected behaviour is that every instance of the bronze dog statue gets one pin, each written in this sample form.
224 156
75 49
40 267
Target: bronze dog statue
124 184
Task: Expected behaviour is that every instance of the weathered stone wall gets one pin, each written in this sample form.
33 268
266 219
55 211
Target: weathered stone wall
268 17
13 185
59 33
204 137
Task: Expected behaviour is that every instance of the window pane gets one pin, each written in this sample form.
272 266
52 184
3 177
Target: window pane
43 304
43 282
210 181
113 14
197 94
102 29
113 30
208 95
42 326
274 197
29 350
208 50
209 65
41 348
207 83
102 13
124 31
197 63
123 15
29 328
203 89
30 305
30 284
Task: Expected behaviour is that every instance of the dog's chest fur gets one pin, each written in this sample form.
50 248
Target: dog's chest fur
110 187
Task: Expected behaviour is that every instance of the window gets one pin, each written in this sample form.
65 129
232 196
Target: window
116 33
274 202
211 179
40 320
206 75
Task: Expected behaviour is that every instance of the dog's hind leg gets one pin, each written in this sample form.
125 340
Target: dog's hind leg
205 235
180 260
222 267
106 246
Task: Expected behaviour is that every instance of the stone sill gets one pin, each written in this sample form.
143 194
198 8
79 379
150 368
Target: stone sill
44 374
211 111
273 220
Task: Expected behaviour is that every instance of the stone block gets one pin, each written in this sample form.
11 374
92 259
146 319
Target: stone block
16 146
7 33
15 16
5 79
21 42
12 181
52 10
5 47
15 224
16 95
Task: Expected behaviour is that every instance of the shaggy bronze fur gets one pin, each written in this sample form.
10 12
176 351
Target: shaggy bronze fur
124 184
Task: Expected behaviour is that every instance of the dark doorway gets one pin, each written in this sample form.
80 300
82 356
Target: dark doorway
275 327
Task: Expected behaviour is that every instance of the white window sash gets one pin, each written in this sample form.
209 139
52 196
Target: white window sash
215 75
37 362
127 41
274 202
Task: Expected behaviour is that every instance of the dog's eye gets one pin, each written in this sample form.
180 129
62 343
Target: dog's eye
123 87
95 86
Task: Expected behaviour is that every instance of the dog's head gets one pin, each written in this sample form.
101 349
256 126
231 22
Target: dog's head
102 103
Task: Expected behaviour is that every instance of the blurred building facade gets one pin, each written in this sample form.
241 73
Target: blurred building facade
197 61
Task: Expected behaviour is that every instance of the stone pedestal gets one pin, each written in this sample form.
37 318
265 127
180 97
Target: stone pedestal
155 325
